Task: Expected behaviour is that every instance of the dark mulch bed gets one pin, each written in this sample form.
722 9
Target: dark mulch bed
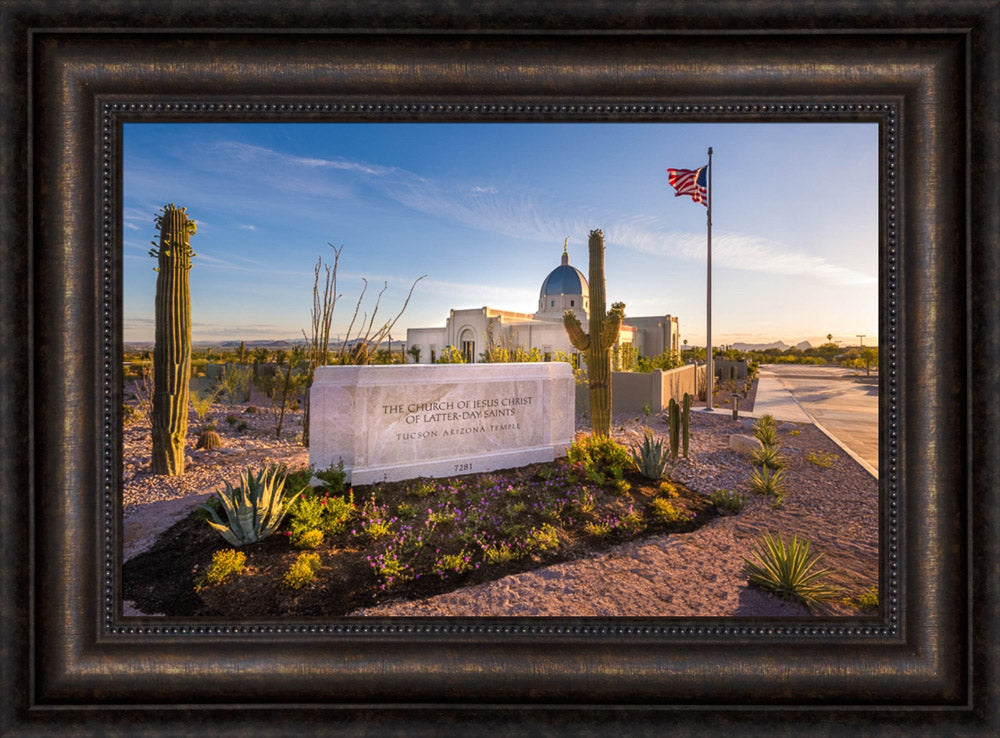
162 579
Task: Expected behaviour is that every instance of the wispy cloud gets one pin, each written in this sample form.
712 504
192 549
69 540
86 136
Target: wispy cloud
494 209
736 251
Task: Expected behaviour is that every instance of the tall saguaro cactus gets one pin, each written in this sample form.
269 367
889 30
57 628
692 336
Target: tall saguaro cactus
597 343
172 351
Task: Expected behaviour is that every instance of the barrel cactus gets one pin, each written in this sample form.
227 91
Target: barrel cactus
172 350
604 328
209 440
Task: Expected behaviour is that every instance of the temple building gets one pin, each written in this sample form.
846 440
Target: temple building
472 330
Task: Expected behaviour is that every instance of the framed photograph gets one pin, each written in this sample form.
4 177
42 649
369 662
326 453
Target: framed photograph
923 80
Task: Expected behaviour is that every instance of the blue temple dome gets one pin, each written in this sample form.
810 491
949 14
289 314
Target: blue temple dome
565 280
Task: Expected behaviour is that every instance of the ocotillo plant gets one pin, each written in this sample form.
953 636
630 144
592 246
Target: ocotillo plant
604 327
686 423
172 350
674 412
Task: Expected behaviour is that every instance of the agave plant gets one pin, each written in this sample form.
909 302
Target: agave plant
650 457
255 508
787 570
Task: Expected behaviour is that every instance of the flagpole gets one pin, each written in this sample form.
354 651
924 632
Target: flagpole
710 364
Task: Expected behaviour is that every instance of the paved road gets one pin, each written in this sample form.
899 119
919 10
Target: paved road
838 399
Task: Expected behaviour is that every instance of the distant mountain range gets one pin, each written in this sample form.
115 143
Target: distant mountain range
780 345
231 345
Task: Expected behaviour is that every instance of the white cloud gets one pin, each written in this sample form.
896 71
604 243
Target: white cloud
736 251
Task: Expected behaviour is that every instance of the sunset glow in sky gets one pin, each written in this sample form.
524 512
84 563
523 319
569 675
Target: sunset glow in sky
483 209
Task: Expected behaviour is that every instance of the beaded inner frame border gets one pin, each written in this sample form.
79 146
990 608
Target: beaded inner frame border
886 114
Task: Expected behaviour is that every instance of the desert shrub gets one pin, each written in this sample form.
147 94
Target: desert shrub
650 457
768 456
334 477
500 553
302 571
457 563
232 419
242 426
543 539
664 510
730 501
598 459
312 538
867 601
255 508
786 569
225 563
202 403
329 515
668 488
821 458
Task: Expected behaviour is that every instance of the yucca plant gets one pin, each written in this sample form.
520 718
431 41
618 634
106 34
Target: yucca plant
766 433
768 456
255 508
650 457
787 570
767 481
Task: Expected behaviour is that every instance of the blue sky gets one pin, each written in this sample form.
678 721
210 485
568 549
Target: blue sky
483 210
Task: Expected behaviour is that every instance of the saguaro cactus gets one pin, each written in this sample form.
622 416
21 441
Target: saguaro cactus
597 343
686 423
172 351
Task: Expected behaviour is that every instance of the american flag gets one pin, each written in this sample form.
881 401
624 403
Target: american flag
689 182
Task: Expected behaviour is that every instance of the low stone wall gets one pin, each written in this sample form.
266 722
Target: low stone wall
392 422
634 391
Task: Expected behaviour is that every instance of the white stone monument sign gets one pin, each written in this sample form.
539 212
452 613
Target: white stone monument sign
391 422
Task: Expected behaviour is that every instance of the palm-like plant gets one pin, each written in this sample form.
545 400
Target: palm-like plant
787 569
766 433
255 508
768 456
650 457
767 481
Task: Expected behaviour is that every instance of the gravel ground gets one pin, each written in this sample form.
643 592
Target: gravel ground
693 574
699 574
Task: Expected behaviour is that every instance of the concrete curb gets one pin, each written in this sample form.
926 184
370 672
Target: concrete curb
861 462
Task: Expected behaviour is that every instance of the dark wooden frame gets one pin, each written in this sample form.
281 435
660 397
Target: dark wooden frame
927 71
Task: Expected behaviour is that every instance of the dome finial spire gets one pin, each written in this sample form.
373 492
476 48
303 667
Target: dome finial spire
565 255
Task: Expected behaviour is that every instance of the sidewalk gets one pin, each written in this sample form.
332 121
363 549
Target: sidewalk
774 400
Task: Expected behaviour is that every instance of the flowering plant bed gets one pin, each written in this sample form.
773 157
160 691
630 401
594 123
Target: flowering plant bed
401 541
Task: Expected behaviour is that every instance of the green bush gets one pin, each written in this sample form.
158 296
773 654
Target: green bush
867 601
650 458
302 571
543 539
312 538
225 563
334 477
787 570
255 508
821 459
598 459
664 510
730 501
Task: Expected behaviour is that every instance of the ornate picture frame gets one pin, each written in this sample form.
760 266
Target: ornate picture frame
927 74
